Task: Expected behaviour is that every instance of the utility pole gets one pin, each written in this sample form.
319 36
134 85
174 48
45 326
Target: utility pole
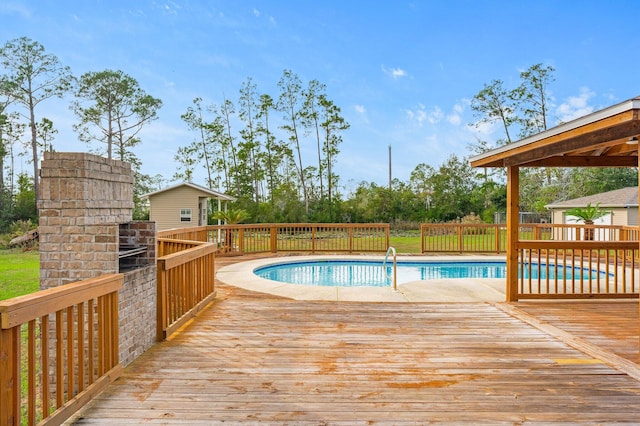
389 167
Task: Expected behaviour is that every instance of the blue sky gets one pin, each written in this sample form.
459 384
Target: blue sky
403 72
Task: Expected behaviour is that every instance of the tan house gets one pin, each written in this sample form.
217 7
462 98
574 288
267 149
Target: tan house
622 205
182 206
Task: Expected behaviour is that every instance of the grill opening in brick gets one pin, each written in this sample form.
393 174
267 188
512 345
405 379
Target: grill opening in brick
136 245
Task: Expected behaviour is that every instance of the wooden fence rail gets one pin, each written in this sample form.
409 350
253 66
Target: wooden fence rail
492 238
58 348
185 282
577 269
299 237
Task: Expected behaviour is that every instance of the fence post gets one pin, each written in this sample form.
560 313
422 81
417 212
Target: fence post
10 376
496 228
241 240
274 239
350 240
313 238
460 238
386 236
161 300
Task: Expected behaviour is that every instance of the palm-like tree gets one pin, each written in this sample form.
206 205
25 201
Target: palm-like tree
230 217
587 215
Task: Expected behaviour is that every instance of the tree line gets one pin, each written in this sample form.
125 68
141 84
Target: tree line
276 153
254 149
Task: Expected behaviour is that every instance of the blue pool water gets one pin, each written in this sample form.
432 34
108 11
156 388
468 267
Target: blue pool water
353 273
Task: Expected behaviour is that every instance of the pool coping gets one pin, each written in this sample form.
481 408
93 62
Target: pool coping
464 290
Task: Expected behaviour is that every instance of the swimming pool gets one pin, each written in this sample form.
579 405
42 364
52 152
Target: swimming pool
356 273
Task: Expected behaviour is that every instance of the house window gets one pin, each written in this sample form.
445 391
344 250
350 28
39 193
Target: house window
185 215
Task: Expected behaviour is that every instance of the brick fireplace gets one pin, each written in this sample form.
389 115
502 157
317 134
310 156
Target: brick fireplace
86 230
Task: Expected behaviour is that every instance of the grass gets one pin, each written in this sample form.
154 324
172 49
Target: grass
406 244
19 273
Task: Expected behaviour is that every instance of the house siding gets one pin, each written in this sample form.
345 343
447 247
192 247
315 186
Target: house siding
166 206
619 216
632 216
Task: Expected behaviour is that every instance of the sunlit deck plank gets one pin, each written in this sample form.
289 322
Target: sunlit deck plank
258 358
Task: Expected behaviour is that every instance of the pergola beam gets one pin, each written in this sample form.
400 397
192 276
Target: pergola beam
585 161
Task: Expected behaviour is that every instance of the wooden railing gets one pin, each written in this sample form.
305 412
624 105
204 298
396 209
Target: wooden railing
195 233
491 238
311 238
577 269
185 282
459 238
58 348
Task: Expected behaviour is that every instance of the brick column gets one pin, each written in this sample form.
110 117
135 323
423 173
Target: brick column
83 199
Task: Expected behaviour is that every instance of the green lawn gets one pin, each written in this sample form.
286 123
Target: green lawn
19 273
406 244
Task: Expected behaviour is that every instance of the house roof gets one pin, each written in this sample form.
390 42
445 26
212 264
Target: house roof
625 197
206 191
599 139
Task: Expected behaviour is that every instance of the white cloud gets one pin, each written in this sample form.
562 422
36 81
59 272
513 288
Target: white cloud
361 111
256 13
394 73
434 115
483 129
455 117
17 8
576 106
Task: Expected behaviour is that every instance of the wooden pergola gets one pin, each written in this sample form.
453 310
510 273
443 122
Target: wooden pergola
606 138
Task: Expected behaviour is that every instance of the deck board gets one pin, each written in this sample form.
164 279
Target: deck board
253 358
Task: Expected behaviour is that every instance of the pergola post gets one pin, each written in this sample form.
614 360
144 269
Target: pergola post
513 226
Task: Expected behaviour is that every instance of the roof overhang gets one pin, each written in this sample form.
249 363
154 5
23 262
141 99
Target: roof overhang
599 139
209 193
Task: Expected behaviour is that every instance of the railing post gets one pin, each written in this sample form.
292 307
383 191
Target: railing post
350 239
9 376
460 237
161 300
513 226
313 238
241 240
386 235
274 238
496 227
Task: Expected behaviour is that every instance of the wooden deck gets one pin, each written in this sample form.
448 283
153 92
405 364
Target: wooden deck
258 359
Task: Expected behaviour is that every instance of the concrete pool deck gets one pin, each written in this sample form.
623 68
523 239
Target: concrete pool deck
440 290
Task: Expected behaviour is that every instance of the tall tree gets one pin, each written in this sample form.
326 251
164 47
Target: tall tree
33 76
332 125
289 103
46 133
200 148
495 104
265 106
310 119
532 97
113 109
250 145
227 142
